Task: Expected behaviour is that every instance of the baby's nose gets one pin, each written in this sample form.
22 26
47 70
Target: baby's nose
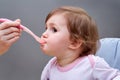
44 35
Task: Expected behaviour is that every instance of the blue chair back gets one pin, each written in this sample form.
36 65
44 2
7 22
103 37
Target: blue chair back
110 51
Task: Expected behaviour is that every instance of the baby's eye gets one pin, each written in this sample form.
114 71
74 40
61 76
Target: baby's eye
54 29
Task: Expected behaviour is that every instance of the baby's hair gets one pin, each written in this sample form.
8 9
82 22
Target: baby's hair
80 26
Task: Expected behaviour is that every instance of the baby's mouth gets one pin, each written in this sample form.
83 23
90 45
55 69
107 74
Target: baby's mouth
42 41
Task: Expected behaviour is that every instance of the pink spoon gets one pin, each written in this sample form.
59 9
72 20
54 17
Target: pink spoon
24 29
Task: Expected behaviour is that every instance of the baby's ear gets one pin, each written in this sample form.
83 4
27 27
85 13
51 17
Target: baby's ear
75 44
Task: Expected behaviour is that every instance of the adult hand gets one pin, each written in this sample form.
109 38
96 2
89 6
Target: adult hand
9 34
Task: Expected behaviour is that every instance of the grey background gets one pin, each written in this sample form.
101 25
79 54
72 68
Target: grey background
24 60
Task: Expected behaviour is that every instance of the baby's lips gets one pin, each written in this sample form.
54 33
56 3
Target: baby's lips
42 41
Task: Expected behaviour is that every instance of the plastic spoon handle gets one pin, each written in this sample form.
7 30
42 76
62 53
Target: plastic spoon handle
31 33
24 29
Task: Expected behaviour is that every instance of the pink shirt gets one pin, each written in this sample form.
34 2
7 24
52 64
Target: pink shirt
86 68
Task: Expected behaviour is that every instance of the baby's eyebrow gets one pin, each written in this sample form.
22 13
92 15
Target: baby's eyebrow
51 24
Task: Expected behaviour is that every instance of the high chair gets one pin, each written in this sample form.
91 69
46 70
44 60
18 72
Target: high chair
110 51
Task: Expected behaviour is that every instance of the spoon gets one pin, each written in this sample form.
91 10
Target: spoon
24 29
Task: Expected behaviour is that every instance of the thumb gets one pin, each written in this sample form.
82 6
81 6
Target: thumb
18 20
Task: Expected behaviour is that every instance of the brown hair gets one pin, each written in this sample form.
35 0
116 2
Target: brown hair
80 26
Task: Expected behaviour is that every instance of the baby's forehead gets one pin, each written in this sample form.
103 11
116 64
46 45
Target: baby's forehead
57 18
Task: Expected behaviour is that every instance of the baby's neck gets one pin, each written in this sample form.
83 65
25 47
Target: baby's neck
66 60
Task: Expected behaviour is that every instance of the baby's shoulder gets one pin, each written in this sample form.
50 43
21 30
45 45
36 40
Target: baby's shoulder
97 61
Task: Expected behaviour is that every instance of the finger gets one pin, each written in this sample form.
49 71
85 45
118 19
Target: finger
13 40
18 20
9 30
8 24
10 36
20 26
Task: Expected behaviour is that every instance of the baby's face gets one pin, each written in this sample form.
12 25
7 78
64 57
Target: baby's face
56 37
